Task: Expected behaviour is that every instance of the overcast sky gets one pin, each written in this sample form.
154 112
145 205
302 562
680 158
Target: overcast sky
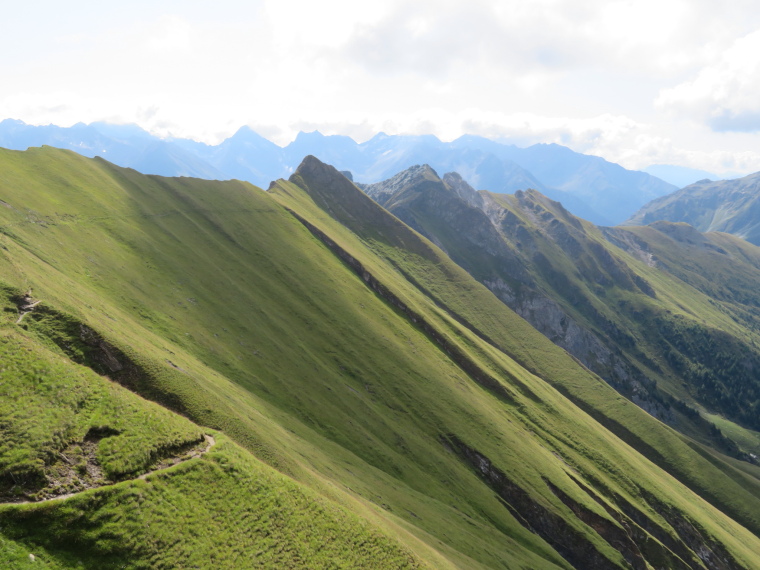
637 82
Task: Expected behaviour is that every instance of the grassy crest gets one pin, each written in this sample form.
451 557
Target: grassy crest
411 419
452 293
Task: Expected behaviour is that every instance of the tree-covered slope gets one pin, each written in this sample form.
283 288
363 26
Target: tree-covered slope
372 404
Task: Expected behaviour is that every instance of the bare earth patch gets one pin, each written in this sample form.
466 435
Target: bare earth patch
77 469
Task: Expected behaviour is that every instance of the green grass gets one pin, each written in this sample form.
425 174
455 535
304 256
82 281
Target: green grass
225 510
679 337
526 346
50 405
747 439
233 313
222 511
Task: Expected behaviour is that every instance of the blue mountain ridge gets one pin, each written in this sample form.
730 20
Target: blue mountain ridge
590 187
681 176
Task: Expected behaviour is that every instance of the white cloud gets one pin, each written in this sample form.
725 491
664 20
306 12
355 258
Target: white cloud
724 94
313 25
431 36
170 34
582 74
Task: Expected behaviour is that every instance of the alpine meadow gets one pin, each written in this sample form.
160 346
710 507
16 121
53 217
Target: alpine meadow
205 374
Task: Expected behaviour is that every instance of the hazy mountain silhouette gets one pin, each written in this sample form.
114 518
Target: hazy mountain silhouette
589 186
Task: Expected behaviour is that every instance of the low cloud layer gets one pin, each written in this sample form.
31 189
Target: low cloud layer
654 81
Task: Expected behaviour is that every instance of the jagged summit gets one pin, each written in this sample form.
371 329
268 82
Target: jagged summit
312 166
246 133
327 184
462 189
418 174
409 177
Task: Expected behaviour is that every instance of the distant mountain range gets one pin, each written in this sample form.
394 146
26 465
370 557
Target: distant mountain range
680 175
731 206
590 187
124 145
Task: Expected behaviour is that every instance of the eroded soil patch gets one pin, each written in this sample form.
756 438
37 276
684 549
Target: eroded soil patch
76 469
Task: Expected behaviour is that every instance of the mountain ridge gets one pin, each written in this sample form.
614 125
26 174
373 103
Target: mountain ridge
374 404
729 206
519 246
589 186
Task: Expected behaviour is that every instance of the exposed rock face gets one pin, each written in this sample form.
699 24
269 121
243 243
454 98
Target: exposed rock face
550 320
565 539
382 191
492 242
463 190
418 197
632 244
641 541
541 261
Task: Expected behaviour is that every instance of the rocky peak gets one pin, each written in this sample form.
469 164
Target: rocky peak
410 177
247 134
462 189
545 208
326 184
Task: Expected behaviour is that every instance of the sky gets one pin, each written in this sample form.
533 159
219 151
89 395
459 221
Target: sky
636 82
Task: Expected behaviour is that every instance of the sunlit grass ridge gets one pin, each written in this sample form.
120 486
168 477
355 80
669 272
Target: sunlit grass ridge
370 391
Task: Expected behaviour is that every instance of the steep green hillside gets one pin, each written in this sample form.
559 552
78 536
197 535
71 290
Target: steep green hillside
143 485
451 291
666 315
373 405
729 206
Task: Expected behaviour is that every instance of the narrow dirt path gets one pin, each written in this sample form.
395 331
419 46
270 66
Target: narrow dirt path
163 466
26 305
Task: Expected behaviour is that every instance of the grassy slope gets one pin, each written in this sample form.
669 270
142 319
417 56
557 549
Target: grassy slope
695 282
223 510
48 404
598 284
691 289
706 285
245 324
525 345
262 347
